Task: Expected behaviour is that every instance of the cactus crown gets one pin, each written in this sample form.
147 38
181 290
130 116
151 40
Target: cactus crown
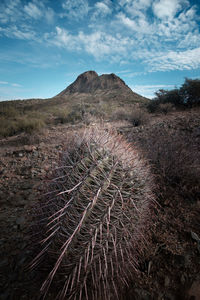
92 219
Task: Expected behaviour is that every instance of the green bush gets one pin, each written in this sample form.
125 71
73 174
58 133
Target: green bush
29 125
9 111
190 92
187 95
172 96
152 106
8 127
26 124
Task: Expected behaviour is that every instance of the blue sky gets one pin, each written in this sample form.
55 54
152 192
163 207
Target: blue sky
45 45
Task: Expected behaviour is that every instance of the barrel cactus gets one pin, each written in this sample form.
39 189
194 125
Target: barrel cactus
90 224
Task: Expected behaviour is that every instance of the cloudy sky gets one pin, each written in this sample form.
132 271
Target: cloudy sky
45 45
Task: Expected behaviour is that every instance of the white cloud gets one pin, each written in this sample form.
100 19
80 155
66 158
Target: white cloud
127 21
149 90
172 60
49 14
99 44
10 11
139 25
102 9
190 40
10 84
15 12
38 10
16 85
123 72
15 32
167 8
137 4
32 10
167 33
62 38
168 41
135 8
10 93
75 9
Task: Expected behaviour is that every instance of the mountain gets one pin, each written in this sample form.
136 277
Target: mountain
106 85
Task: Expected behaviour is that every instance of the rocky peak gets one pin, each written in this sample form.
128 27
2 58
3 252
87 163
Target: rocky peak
90 82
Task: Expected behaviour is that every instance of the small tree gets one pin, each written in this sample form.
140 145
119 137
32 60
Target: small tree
190 92
172 96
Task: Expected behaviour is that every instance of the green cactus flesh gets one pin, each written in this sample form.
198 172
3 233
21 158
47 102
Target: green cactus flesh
93 218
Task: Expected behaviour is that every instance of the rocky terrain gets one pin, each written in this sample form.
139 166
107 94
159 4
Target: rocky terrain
90 82
170 268
100 87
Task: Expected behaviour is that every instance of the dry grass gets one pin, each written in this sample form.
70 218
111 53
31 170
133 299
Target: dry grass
30 115
165 108
175 159
138 117
12 126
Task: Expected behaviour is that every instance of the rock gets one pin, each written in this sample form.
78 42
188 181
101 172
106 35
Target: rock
20 200
170 296
167 281
183 279
142 294
29 148
26 186
188 260
35 153
20 222
195 290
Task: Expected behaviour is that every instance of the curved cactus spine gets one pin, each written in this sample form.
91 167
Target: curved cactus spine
92 219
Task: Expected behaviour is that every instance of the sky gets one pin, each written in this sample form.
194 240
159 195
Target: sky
45 45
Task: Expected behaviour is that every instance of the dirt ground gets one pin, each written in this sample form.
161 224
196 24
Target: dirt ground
170 268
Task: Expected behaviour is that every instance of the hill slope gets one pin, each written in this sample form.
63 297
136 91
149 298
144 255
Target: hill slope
89 96
103 86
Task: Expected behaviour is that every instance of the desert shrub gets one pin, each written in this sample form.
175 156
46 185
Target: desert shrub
26 124
172 96
152 106
97 112
29 125
75 116
7 127
187 95
138 117
9 111
107 108
175 159
62 115
165 107
68 115
120 114
190 92
90 225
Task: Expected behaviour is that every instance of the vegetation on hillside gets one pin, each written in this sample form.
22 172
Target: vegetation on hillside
187 96
32 115
170 144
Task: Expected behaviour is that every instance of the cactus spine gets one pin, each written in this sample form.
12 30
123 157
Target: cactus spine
91 221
